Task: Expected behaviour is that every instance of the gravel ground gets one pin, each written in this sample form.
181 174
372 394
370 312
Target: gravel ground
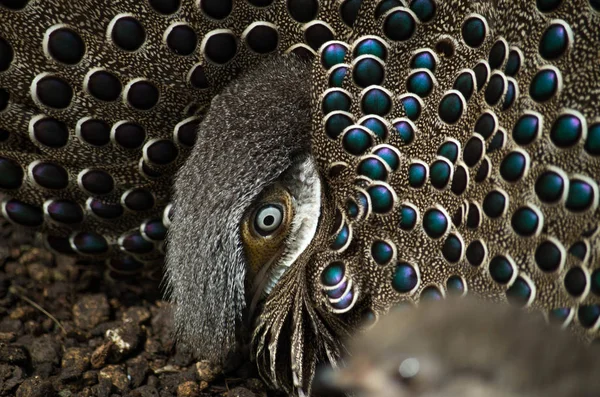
65 330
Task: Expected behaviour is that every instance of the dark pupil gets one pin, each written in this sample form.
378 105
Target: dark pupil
269 220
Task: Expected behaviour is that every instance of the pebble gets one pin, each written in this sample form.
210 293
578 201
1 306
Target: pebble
91 310
207 371
14 354
36 387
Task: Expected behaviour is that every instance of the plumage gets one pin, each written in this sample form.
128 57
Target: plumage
457 146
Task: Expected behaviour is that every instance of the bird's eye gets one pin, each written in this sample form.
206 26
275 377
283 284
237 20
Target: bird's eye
268 218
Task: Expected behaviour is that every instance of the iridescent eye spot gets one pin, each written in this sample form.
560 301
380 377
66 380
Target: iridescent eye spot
431 293
527 129
336 99
579 250
424 59
52 91
64 45
473 151
216 9
341 239
153 229
483 171
142 94
476 253
453 249
512 91
495 89
405 129
408 217
337 75
576 282
549 256
435 223
96 181
595 281
465 84
560 316
134 243
514 166
127 33
197 77
495 204
567 130
550 187
371 46
125 264
165 7
555 40
376 101
474 30
138 200
345 303
317 33
404 278
527 221
22 214
449 150
399 25
456 286
103 85
592 143
181 39
160 151
423 9
545 84
498 54
520 293
412 106
583 194
486 124
128 135
373 168
473 216
339 291
460 180
352 209
451 107
349 11
356 140
333 274
88 243
336 123
417 174
105 210
482 74
303 10
186 132
420 83
497 141
49 175
368 71
501 269
333 54
376 124
382 198
11 174
588 315
548 5
219 46
440 173
93 132
513 65
382 252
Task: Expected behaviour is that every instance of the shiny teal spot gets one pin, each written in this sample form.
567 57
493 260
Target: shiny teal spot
581 195
412 107
377 126
336 124
89 243
435 223
24 214
333 54
382 199
511 93
337 76
455 285
408 218
439 174
352 209
431 293
592 143
566 130
526 129
342 238
371 46
548 256
382 252
405 278
399 25
451 108
367 72
405 130
549 187
559 316
386 5
513 64
336 100
513 166
373 168
473 31
11 174
525 221
423 9
465 84
495 89
579 250
519 293
554 42
452 249
376 101
389 156
595 280
485 125
588 315
497 142
356 141
419 83
333 274
417 173
501 270
449 150
494 204
544 85
423 59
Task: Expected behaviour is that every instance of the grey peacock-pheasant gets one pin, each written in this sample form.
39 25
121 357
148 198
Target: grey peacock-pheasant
326 161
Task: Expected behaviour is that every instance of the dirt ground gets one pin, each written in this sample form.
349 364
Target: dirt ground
67 331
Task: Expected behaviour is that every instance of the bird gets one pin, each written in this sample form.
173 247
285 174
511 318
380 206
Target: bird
304 167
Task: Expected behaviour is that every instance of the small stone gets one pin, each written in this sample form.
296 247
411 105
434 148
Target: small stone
90 378
39 272
125 340
116 375
103 388
136 314
14 354
100 355
145 391
207 371
137 368
36 387
11 376
7 337
77 358
240 392
45 350
91 310
188 389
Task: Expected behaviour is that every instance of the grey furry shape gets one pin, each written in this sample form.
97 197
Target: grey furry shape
251 132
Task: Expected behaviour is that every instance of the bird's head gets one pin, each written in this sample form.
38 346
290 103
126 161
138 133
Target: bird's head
248 205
